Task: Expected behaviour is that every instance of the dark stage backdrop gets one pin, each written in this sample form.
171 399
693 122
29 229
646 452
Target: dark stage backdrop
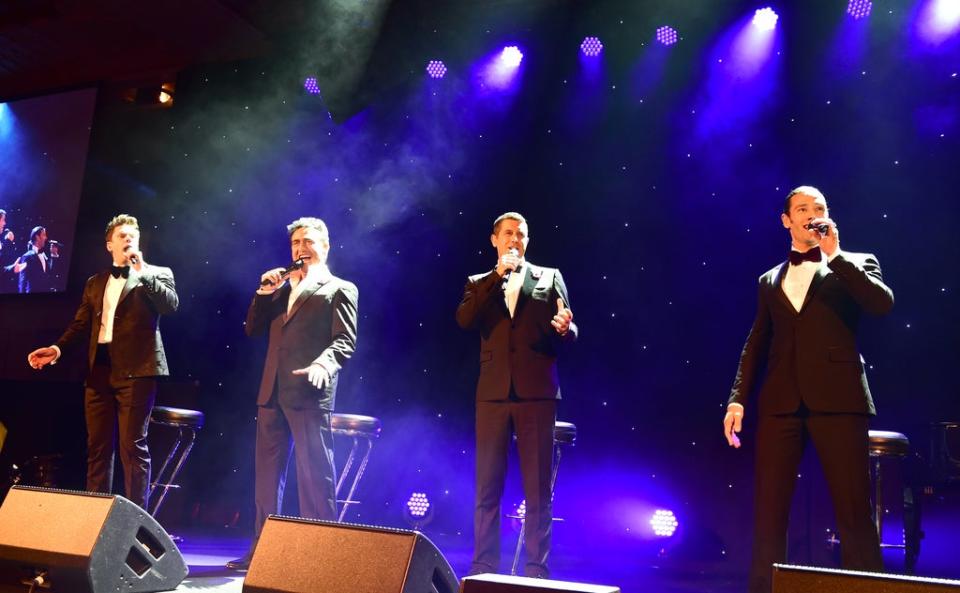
653 179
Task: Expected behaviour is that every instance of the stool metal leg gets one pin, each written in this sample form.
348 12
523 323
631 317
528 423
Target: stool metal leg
356 478
182 458
347 465
878 500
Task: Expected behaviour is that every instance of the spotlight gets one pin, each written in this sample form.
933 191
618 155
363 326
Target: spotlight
859 8
436 69
521 511
765 19
511 56
667 35
153 95
591 47
311 85
664 523
418 510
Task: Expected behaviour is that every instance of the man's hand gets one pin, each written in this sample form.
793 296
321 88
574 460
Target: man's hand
508 261
134 258
273 278
8 235
19 265
732 424
316 374
41 357
829 242
561 321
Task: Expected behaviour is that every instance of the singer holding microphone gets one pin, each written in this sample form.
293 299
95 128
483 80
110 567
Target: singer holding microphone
118 321
310 317
802 356
523 315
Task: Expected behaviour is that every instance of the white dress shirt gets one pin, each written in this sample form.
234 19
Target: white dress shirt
110 298
511 289
797 280
313 273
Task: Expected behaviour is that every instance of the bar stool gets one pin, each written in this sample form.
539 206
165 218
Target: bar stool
362 429
187 423
895 445
564 433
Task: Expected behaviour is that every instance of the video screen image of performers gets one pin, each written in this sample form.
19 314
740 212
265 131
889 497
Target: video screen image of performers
42 159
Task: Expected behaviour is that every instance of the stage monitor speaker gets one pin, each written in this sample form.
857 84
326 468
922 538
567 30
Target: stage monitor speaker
81 542
498 583
306 556
806 579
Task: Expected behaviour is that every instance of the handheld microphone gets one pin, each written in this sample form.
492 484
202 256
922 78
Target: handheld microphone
294 266
134 258
822 228
506 275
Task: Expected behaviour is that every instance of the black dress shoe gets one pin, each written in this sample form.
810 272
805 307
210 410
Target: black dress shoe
239 563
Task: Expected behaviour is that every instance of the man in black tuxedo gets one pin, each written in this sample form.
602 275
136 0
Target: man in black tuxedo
523 314
36 266
118 321
813 387
311 317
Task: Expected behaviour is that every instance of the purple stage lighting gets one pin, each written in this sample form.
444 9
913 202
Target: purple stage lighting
859 8
664 523
591 46
311 86
765 19
418 505
436 69
511 56
667 35
939 20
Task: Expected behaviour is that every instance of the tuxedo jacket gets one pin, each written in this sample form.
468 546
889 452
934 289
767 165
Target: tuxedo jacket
521 350
811 356
321 328
34 278
136 349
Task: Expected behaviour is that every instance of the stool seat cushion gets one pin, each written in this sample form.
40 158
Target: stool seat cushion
177 416
564 432
885 442
355 424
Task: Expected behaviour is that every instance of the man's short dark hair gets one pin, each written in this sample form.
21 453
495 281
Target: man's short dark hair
507 216
309 222
807 190
120 220
36 231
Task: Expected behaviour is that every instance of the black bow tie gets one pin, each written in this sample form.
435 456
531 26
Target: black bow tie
117 271
797 258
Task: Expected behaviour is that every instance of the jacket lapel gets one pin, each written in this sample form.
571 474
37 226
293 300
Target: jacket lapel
781 295
530 278
132 279
99 289
815 283
307 292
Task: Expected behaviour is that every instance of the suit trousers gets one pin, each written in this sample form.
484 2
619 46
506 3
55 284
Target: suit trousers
532 421
305 434
118 411
841 442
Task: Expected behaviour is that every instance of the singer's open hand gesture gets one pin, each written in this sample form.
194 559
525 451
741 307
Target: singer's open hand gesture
41 357
561 321
316 374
